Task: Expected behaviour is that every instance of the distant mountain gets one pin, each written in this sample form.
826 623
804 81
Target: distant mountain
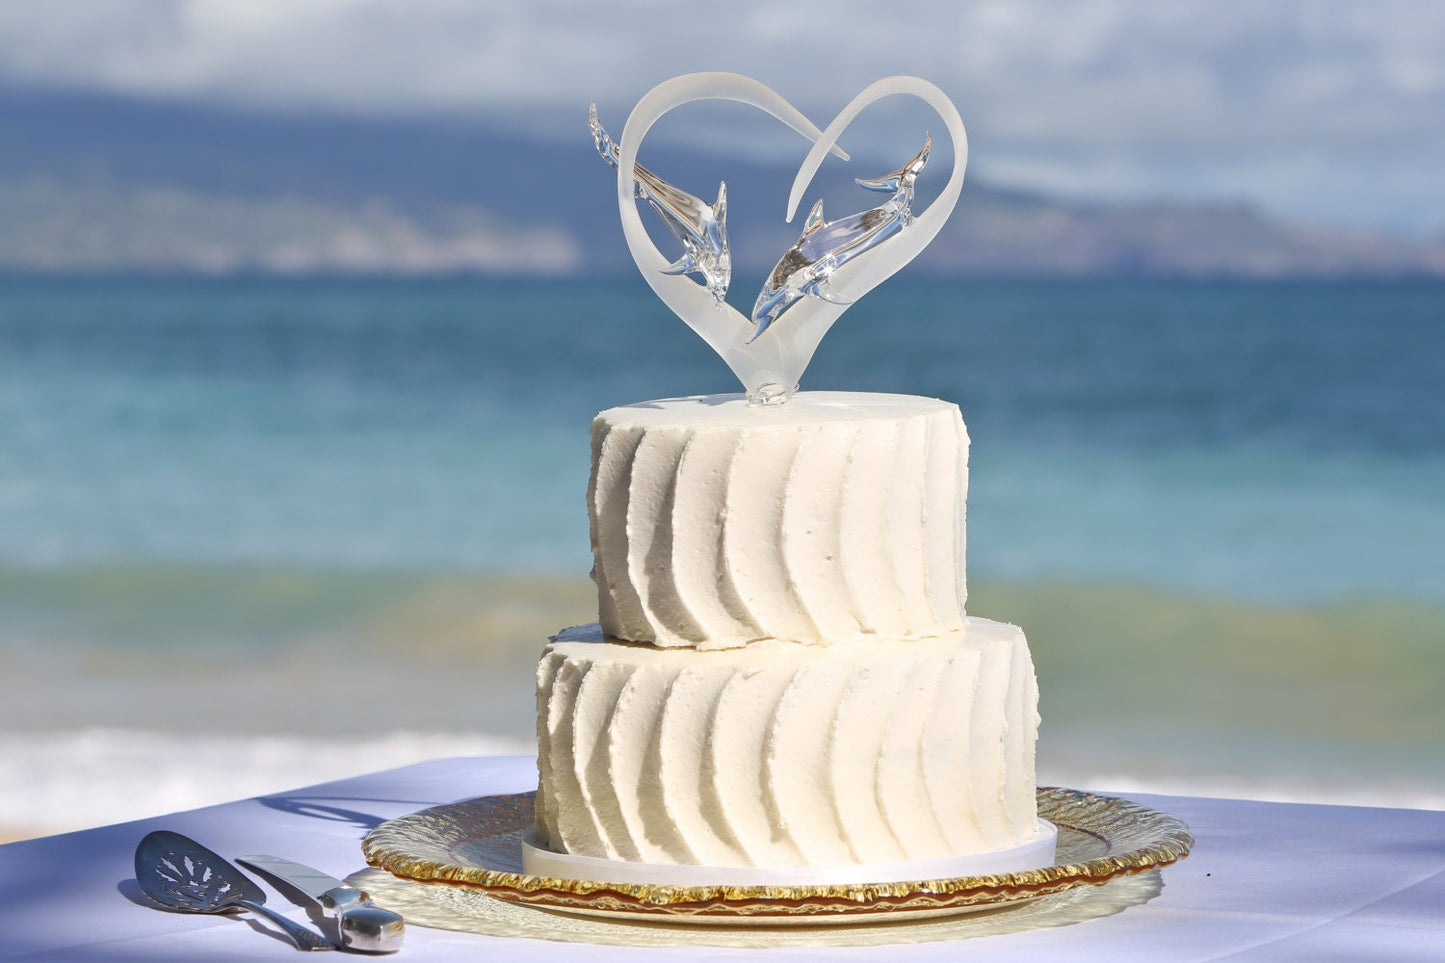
995 233
106 183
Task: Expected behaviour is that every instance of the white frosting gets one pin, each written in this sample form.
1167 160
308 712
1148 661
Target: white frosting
838 516
787 755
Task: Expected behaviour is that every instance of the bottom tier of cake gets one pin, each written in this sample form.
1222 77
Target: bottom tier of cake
786 755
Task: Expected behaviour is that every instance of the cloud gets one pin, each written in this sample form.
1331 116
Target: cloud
1308 107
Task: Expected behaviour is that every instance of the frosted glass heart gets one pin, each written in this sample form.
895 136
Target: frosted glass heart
771 366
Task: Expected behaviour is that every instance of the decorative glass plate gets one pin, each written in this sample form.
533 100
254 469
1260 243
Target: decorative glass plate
476 844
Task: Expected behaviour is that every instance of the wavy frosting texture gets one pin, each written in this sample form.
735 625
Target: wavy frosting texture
838 516
787 755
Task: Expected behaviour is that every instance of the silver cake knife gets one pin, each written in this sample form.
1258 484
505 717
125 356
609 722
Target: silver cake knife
363 925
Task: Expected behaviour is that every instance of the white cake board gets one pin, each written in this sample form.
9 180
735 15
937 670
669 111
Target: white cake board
1035 852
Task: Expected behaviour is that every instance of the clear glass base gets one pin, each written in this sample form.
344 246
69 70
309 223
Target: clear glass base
770 395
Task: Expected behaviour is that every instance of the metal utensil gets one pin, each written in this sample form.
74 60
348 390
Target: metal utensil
363 925
184 875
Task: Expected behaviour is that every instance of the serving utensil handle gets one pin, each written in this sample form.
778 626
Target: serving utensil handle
303 938
369 928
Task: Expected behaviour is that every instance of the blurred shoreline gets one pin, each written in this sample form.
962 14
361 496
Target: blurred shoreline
177 687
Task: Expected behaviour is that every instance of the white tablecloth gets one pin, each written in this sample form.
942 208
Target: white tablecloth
1266 881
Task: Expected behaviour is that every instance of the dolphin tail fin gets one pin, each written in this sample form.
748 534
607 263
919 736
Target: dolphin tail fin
887 184
605 144
904 176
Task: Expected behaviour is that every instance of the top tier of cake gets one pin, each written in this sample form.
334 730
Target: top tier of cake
835 517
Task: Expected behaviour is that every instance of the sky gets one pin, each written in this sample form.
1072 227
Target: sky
1322 111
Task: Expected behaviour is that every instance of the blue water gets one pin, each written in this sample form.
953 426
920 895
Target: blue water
1264 441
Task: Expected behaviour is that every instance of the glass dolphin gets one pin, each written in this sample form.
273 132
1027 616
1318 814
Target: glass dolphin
701 228
825 246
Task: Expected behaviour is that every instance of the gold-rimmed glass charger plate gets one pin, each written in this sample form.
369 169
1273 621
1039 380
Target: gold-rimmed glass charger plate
476 844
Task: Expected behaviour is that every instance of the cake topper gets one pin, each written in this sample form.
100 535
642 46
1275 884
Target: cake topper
830 267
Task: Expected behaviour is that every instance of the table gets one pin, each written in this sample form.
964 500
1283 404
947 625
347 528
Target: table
1266 881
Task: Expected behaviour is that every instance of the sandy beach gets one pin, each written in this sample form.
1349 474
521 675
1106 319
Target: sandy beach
136 690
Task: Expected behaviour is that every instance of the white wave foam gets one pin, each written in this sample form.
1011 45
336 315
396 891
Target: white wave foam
69 780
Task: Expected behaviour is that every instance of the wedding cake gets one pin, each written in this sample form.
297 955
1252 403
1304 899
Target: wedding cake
783 674
782 678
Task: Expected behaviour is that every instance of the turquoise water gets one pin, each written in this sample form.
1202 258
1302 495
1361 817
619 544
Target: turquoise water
1276 442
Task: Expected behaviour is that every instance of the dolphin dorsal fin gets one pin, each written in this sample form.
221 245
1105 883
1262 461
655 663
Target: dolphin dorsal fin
815 218
720 206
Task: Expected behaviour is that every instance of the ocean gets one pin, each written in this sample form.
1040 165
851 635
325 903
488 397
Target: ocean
1218 508
1277 442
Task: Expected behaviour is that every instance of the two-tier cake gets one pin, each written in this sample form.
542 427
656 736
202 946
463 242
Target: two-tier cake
783 674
